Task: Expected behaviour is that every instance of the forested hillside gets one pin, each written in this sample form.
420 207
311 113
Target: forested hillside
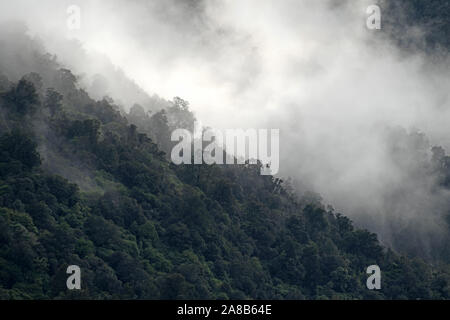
81 185
418 24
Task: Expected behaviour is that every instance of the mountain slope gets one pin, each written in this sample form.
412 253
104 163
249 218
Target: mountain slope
141 227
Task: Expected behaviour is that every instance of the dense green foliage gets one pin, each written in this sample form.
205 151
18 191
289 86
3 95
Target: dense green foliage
141 227
82 182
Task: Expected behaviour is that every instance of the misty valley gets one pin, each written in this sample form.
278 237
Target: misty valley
108 192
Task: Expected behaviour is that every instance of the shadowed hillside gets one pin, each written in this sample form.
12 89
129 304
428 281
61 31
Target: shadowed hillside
80 185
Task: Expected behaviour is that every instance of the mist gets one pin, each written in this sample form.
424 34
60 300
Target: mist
343 96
